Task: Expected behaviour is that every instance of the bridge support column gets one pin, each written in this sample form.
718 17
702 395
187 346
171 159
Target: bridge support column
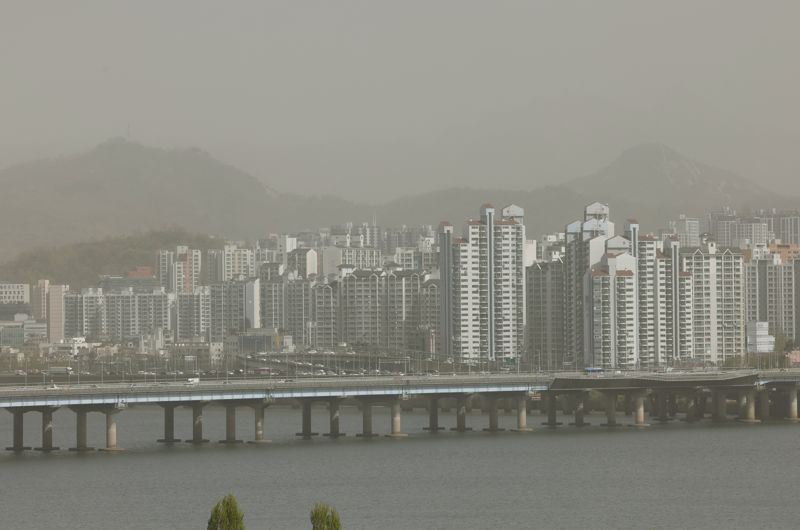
750 407
663 407
306 433
522 414
80 430
611 410
258 424
628 404
197 424
47 430
366 420
461 415
720 405
17 442
672 405
169 425
551 408
763 405
702 402
111 431
638 410
396 411
691 408
742 400
491 405
433 416
333 411
230 426
580 410
792 397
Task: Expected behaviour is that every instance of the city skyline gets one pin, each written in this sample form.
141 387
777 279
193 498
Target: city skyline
584 297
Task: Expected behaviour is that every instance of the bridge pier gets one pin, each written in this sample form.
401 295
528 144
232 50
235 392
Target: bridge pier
663 407
491 405
333 411
396 431
792 398
306 433
169 424
433 416
17 442
366 420
461 415
197 424
580 410
551 408
720 400
749 407
522 414
611 410
763 405
742 402
638 410
230 426
702 404
81 444
691 408
672 405
47 430
628 401
258 424
111 430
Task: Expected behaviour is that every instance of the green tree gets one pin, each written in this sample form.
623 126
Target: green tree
325 517
226 515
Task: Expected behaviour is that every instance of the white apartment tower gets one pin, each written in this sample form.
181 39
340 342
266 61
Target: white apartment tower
585 245
487 277
718 323
611 338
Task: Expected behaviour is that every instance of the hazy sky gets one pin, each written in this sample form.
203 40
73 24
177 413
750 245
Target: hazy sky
376 98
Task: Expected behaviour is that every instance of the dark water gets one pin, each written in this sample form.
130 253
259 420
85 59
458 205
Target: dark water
673 476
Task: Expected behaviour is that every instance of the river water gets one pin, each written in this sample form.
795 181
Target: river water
676 475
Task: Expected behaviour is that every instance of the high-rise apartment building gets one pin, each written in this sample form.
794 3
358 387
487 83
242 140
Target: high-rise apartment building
235 307
429 320
56 313
687 229
611 338
303 261
718 299
180 270
39 299
229 263
193 315
545 314
14 293
324 327
401 311
585 245
485 270
771 288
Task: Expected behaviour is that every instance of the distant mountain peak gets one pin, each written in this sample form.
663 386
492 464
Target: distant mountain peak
654 168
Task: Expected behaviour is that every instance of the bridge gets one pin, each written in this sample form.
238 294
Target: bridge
759 396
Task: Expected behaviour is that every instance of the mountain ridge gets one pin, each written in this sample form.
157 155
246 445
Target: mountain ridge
120 187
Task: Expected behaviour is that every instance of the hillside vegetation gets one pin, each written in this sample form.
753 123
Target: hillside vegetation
81 264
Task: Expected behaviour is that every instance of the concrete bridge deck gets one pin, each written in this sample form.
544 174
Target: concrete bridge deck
657 392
